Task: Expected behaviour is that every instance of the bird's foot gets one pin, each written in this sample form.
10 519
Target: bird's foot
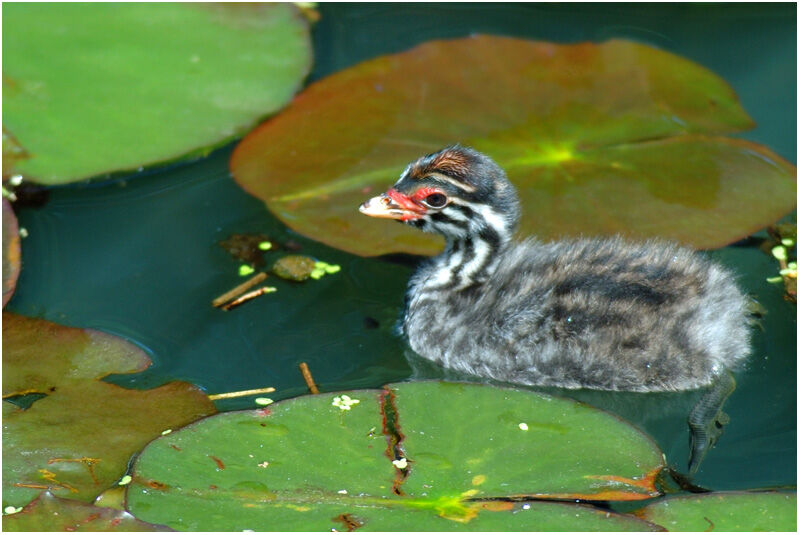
707 421
755 312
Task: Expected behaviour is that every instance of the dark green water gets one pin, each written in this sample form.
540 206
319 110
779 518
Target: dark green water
139 258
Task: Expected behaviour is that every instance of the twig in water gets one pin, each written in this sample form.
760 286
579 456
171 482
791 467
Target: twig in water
228 395
248 296
236 292
309 380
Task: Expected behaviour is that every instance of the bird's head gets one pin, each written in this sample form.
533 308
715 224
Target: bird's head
457 192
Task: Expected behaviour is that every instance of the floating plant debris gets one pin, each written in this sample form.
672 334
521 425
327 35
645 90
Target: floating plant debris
783 239
245 270
294 267
291 245
323 268
239 290
312 387
248 248
248 296
345 402
241 393
401 463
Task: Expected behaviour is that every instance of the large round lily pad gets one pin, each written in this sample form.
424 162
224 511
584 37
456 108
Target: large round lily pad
90 88
726 511
416 456
605 138
12 258
78 439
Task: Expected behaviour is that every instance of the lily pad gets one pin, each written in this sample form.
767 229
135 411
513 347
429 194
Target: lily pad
91 88
49 513
11 251
78 439
599 139
416 456
726 511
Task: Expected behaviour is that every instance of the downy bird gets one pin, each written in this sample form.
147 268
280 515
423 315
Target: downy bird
603 313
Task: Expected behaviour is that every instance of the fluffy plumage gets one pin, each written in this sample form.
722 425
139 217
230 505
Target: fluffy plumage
594 313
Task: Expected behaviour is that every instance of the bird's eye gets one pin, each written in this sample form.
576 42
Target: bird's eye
435 200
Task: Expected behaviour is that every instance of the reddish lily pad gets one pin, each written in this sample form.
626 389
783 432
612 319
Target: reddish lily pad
415 456
49 513
11 251
605 138
77 441
92 88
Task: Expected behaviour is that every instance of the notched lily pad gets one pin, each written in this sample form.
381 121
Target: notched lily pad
95 88
12 256
416 456
617 137
78 439
49 513
725 511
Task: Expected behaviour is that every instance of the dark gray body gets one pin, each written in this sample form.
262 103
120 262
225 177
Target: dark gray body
594 313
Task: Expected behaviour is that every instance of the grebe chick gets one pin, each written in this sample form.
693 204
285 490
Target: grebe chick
585 313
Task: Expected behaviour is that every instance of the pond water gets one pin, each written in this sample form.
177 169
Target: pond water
139 256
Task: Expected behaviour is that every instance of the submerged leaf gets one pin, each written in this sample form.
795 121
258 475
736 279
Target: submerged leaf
78 439
599 139
416 456
91 88
247 247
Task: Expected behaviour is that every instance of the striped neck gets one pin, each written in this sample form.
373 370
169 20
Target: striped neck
470 259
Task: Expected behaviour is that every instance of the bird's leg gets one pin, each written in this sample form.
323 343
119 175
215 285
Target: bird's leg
755 311
706 420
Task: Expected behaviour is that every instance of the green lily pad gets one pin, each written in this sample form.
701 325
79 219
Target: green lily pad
421 456
99 87
726 511
49 513
477 441
599 139
11 251
78 439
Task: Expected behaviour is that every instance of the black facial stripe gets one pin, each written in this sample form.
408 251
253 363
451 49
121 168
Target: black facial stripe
441 217
468 212
490 236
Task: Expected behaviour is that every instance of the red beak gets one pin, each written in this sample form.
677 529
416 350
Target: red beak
392 205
